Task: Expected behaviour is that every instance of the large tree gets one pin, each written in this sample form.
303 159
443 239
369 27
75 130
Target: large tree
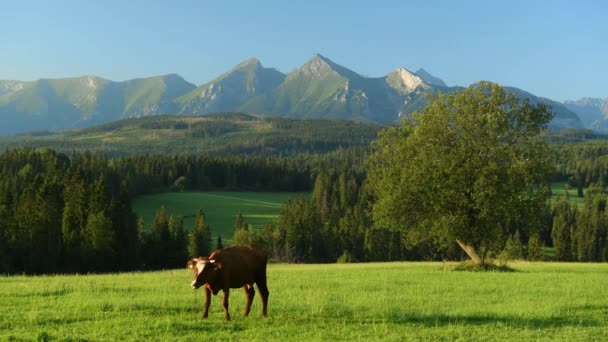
467 168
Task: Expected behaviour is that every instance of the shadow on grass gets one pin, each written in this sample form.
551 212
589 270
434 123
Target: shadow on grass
44 293
434 320
152 309
468 266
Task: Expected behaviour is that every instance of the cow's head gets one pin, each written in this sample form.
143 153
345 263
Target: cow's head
205 271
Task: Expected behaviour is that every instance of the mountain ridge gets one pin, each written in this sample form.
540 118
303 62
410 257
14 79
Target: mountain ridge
320 88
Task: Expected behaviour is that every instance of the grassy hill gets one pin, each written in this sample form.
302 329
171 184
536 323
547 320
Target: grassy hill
356 302
221 208
216 134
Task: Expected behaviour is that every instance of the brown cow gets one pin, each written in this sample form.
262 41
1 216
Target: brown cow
231 267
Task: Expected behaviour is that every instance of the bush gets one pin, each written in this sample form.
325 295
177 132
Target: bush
514 249
345 258
535 248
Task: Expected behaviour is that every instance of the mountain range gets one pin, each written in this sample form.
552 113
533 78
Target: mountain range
320 88
593 112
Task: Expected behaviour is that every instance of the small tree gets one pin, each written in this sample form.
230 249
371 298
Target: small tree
239 223
463 169
242 235
535 251
514 249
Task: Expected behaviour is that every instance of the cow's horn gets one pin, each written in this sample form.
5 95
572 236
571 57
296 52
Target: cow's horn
212 261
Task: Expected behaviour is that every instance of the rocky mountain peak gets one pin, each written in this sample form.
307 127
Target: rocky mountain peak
316 66
405 81
10 87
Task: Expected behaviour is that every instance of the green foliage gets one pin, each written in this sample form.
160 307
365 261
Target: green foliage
98 234
564 227
345 258
180 184
535 251
465 168
63 215
590 238
200 237
242 235
514 249
240 224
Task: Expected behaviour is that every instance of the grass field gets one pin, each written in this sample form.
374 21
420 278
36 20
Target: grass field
221 208
380 302
559 189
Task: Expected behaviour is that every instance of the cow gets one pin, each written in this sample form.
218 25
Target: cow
231 267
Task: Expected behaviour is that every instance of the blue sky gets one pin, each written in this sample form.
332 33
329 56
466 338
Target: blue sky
557 49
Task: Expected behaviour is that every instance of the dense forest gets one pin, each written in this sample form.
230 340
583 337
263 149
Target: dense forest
61 213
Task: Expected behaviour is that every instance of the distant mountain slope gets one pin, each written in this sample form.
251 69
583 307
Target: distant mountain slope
320 88
593 112
213 134
430 79
232 89
564 118
56 104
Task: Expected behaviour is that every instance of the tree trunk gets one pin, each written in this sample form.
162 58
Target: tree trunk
470 250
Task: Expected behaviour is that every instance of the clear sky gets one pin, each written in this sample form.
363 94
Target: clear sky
552 48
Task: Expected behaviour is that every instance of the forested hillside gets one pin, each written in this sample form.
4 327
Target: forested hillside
218 134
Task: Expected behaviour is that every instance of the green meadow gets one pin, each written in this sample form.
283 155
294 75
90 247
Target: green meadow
560 189
377 301
221 208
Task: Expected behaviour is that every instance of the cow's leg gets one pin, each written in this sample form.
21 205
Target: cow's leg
225 303
250 293
264 293
207 302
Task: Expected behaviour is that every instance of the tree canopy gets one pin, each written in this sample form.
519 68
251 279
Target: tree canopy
469 168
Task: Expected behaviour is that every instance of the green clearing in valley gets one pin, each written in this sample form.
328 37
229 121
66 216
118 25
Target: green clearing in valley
221 208
353 302
559 189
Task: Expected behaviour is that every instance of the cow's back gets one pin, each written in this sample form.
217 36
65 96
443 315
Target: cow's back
240 264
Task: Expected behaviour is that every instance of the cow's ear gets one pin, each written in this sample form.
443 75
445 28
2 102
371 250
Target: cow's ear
190 264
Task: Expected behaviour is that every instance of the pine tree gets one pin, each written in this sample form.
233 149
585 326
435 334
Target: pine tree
99 241
200 237
239 223
160 240
219 244
178 241
564 228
